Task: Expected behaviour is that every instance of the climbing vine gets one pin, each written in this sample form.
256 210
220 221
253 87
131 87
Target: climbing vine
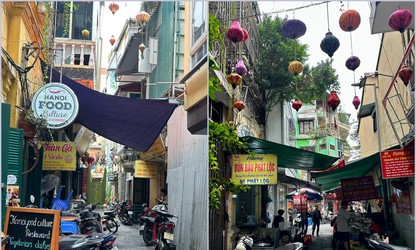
68 9
222 136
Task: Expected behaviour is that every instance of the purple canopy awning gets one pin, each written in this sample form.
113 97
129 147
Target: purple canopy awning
132 122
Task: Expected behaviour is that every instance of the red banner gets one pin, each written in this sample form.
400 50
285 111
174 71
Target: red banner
357 189
398 163
300 203
403 204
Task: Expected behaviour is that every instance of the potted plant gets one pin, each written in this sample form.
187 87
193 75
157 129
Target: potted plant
30 124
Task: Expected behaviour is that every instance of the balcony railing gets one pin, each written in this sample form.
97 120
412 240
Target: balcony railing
74 53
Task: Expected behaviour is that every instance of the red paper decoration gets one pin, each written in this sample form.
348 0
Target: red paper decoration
333 100
296 105
405 74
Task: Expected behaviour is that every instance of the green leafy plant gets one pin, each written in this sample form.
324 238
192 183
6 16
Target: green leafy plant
68 9
222 136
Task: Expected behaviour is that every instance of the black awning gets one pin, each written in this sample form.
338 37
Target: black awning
129 63
132 122
282 178
366 110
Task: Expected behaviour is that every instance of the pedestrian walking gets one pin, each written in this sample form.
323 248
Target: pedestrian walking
343 219
278 218
316 220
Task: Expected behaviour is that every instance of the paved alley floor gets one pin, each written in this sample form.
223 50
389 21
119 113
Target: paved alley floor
323 242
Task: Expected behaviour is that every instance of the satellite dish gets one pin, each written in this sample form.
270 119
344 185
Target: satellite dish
48 183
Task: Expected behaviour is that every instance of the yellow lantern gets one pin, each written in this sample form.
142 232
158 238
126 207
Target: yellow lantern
295 67
143 16
85 33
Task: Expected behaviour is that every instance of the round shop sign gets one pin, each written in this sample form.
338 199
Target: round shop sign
57 103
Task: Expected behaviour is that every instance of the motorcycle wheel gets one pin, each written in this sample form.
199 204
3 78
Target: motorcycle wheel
147 235
112 226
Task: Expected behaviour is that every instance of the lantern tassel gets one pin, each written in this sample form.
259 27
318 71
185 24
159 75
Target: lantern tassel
335 123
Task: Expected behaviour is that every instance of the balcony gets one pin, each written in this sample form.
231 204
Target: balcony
74 53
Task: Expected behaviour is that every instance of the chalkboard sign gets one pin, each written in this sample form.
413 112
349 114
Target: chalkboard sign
32 228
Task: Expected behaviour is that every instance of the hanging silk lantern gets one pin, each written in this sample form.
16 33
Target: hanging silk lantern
113 7
293 28
297 105
240 68
405 74
400 19
329 44
295 68
234 79
85 33
356 102
352 63
112 40
246 36
142 17
235 33
239 105
142 47
349 20
333 100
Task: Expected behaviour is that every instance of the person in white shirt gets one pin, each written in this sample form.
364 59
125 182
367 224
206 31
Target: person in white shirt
343 230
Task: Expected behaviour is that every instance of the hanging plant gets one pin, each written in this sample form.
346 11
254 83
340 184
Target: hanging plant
68 9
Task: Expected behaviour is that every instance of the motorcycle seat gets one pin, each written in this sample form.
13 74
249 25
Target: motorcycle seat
108 212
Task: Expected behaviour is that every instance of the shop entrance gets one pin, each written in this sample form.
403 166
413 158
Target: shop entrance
141 190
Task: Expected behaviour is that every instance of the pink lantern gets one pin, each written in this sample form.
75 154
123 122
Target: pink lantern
235 33
240 68
400 19
356 102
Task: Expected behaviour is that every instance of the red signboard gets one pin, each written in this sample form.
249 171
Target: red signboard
403 203
398 163
357 189
300 203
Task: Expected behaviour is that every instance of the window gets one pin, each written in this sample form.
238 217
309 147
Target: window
310 148
135 95
199 31
69 24
305 126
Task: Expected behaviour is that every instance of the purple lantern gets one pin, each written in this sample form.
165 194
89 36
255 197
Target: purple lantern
240 68
352 63
356 102
235 33
293 28
400 19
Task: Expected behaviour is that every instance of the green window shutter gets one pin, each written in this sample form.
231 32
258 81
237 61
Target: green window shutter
5 127
15 157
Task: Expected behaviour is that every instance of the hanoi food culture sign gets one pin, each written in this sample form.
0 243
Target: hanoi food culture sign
59 156
259 169
398 163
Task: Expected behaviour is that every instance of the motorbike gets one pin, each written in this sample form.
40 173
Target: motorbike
95 241
165 235
90 220
125 215
244 243
109 221
380 245
148 224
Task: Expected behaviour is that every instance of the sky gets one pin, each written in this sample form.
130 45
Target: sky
364 45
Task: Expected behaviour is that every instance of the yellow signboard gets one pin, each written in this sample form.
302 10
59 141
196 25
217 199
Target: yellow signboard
145 169
259 169
59 156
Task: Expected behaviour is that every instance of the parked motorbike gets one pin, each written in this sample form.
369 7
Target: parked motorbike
148 227
93 241
125 215
90 220
109 221
165 235
244 243
380 245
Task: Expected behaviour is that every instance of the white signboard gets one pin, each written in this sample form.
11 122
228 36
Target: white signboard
57 103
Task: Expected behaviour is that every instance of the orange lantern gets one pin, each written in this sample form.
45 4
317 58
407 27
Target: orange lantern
113 7
349 20
295 67
143 16
112 40
239 105
234 79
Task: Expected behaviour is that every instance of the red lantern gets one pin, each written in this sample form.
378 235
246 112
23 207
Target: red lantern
405 74
356 102
297 105
333 100
349 20
246 36
400 19
112 40
239 105
234 79
113 7
235 33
